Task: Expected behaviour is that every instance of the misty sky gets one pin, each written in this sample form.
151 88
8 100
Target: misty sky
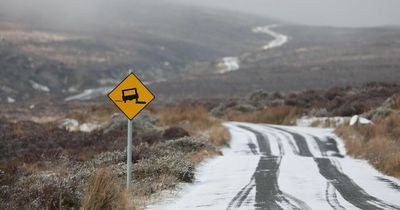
316 12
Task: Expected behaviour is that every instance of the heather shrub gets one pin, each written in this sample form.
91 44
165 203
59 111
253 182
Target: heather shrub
175 165
186 145
274 115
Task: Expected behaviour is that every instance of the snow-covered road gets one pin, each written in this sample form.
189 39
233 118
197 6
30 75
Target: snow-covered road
233 63
282 167
279 39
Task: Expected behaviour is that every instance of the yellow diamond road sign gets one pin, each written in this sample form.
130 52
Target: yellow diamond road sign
131 96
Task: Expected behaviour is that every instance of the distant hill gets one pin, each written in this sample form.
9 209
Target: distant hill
75 50
313 58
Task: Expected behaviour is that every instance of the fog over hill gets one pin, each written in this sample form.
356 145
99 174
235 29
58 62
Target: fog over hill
349 13
196 49
96 41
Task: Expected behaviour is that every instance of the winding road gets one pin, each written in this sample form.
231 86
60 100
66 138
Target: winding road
233 63
283 167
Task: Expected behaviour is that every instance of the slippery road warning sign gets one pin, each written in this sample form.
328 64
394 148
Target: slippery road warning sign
131 96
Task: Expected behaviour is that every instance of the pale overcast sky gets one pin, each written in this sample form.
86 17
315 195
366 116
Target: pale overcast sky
316 12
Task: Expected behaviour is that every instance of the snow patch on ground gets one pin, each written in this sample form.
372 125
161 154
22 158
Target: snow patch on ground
229 64
89 127
155 81
10 100
74 125
90 94
321 121
70 124
108 81
39 87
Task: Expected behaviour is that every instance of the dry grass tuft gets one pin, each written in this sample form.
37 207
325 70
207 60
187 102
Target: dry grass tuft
189 117
284 115
197 121
104 192
396 102
219 135
378 143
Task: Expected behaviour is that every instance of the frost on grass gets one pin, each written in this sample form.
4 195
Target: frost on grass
187 144
175 165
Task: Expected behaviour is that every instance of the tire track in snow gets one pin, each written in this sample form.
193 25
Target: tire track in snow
331 197
265 179
324 147
389 182
264 146
299 140
330 145
349 190
238 200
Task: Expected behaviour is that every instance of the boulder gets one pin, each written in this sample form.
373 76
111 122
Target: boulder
357 120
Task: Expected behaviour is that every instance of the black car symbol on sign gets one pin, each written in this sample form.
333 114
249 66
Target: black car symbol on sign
131 94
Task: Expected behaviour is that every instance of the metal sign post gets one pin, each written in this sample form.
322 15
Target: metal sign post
131 96
129 157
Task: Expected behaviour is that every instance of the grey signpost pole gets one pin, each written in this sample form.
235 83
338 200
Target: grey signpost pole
129 154
129 157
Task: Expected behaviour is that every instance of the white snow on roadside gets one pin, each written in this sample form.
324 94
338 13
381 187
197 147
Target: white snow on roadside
155 81
321 121
89 127
219 179
108 81
279 39
70 124
229 64
90 94
74 125
39 87
10 100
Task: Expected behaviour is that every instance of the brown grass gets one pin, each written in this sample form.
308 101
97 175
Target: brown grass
104 192
378 143
219 135
191 118
197 121
285 115
396 102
